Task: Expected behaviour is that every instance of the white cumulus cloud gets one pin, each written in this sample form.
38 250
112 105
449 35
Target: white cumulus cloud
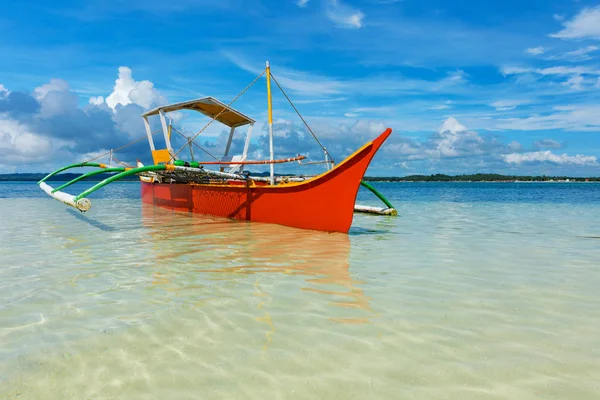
343 15
515 146
572 118
536 51
55 97
579 77
509 104
96 100
55 85
510 70
562 70
451 125
453 140
581 54
586 24
19 144
47 126
558 70
575 82
444 106
128 91
549 157
547 144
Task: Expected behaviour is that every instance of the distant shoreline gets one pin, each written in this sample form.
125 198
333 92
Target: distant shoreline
35 177
482 178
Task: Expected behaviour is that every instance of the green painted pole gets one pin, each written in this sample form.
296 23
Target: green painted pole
116 177
87 175
68 167
381 197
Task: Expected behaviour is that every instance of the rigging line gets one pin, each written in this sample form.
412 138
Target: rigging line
122 147
194 143
298 112
122 163
221 112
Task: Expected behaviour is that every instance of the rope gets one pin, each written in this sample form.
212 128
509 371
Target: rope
194 143
122 147
298 112
221 112
122 163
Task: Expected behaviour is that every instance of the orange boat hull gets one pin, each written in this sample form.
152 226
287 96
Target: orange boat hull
324 203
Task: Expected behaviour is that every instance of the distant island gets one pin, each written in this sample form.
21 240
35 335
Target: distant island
34 177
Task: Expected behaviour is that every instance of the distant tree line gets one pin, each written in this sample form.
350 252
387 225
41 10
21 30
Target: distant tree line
477 178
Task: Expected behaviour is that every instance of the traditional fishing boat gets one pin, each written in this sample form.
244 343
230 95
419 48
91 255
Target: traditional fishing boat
322 202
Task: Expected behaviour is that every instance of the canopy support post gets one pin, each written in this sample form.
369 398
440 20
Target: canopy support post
163 122
149 133
231 131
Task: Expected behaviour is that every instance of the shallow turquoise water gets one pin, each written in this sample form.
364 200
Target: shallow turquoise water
476 291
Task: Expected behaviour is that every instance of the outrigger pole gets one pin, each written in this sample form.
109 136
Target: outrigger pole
80 202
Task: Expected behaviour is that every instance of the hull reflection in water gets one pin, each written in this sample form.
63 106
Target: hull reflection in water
225 250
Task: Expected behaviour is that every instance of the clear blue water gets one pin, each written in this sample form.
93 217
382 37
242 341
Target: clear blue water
475 291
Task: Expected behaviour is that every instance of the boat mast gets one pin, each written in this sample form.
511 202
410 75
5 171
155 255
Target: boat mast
270 106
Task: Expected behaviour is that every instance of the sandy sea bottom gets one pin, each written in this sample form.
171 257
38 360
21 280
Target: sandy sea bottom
450 300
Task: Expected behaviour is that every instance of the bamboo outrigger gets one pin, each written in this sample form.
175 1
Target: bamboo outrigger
323 202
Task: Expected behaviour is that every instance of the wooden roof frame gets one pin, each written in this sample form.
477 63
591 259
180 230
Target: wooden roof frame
208 106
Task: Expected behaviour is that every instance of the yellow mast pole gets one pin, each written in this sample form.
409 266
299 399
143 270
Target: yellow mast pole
270 106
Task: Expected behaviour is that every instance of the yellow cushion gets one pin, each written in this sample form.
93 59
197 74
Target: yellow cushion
161 156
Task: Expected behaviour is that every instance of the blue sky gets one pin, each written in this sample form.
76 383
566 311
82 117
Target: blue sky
509 87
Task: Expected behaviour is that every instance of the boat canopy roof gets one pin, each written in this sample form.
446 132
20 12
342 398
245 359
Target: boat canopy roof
210 107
